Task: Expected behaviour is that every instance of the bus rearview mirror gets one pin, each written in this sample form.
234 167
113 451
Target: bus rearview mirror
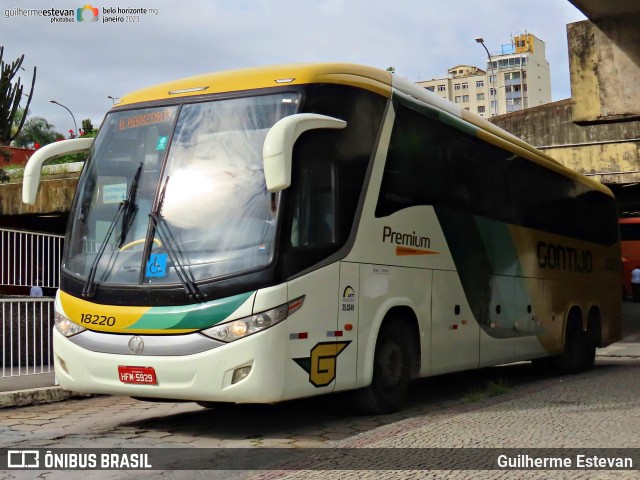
278 145
31 180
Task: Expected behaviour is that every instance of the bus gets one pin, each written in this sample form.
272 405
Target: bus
273 233
630 245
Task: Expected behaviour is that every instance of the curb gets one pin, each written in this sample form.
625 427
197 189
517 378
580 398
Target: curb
20 398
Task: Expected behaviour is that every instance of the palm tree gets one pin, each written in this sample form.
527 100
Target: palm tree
37 130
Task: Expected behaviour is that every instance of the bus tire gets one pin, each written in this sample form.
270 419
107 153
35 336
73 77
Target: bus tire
391 372
594 337
575 357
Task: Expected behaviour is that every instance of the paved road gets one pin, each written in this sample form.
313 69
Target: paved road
600 408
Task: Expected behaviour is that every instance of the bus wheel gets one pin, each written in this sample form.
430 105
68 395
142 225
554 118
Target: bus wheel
391 370
594 337
576 356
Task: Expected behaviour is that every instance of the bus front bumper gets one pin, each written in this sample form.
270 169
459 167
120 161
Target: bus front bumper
204 376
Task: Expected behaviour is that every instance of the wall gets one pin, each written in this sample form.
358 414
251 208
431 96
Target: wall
604 61
54 196
14 157
588 149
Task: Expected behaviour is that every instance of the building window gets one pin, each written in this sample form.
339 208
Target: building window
480 96
442 88
508 88
492 79
456 86
431 89
458 99
492 91
480 108
465 85
465 98
480 84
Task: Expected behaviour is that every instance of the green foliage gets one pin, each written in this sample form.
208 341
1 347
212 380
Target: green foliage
10 97
87 127
37 130
75 157
493 389
391 69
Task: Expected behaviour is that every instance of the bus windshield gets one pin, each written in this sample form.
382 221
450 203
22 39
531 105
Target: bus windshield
177 191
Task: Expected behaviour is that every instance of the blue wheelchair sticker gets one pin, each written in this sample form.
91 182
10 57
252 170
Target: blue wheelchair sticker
157 265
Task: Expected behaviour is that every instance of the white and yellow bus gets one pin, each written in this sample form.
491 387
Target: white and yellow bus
280 232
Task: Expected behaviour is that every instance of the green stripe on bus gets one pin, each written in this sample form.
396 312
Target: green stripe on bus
193 317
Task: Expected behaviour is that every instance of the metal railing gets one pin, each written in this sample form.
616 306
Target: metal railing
30 258
26 336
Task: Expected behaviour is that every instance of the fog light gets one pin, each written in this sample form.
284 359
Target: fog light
62 364
240 374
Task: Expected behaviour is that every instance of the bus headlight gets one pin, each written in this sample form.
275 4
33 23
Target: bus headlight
243 327
66 326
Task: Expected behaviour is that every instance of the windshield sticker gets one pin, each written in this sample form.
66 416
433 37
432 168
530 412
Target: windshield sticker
115 193
162 143
157 266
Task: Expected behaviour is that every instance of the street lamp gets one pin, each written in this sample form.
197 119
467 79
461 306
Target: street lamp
75 126
480 40
113 99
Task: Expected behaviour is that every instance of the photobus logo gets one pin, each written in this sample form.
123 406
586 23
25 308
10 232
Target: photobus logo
87 14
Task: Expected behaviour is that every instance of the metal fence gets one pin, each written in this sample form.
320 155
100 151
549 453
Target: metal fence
30 258
26 336
27 259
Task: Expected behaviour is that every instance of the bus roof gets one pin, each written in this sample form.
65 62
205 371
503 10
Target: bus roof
369 78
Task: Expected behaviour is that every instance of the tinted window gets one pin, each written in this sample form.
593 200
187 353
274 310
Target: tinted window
328 174
432 163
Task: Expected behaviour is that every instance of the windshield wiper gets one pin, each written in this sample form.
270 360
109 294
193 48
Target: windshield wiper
125 210
130 208
173 250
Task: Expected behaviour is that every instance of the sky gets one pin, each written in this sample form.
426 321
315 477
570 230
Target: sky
81 63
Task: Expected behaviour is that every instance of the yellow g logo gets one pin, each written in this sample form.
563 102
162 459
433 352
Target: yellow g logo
321 365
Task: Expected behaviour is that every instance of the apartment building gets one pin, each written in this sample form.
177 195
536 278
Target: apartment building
517 77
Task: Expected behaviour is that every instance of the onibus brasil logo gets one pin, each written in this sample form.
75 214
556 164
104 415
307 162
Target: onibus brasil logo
87 14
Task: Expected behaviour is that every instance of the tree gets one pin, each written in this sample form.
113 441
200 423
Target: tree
10 97
391 69
87 126
37 130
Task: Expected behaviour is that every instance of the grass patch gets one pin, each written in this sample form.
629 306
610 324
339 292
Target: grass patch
492 389
498 387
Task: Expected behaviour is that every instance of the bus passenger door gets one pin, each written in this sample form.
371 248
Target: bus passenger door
454 331
315 346
348 313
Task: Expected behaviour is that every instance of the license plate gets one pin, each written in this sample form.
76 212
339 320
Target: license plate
142 375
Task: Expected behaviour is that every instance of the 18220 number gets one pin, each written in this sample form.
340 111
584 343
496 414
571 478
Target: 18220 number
97 319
